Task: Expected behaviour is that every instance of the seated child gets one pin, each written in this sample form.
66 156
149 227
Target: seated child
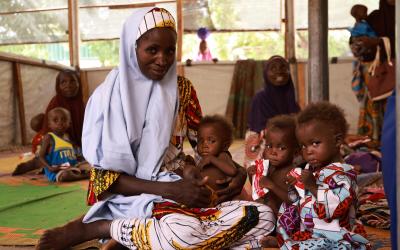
57 153
268 175
280 149
216 164
361 27
323 213
68 96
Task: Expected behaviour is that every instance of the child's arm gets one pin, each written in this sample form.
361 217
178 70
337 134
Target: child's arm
224 162
307 177
46 144
251 170
278 187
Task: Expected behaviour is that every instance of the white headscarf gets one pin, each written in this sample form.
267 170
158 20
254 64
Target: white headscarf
128 124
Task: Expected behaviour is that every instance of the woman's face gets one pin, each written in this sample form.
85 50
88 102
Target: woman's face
68 85
156 52
278 72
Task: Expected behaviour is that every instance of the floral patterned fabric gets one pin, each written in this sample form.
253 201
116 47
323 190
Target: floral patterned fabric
186 125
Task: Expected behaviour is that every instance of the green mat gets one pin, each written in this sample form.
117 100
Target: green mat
27 210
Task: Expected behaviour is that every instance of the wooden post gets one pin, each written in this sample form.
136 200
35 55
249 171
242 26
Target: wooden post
84 85
179 30
19 93
73 32
318 73
301 84
290 42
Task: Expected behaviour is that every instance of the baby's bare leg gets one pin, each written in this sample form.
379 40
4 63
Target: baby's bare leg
113 245
269 241
73 233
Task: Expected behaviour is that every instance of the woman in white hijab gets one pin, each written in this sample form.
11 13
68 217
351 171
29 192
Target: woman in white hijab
127 127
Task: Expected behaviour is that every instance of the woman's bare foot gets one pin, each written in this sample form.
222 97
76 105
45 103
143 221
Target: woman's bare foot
269 241
62 237
73 233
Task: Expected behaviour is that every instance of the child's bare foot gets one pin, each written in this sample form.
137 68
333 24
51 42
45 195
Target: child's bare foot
269 241
73 233
113 245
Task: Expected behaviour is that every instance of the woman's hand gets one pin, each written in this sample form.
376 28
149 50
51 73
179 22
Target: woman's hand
364 48
193 174
192 192
189 192
234 187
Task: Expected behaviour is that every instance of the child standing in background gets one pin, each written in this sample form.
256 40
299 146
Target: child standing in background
57 153
323 216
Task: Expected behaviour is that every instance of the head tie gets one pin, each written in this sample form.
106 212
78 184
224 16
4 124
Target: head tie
156 18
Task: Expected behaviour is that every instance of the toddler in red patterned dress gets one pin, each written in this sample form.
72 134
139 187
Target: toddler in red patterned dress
268 175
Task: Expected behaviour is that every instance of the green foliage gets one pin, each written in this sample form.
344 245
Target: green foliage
107 52
221 13
237 45
224 46
338 43
48 26
261 45
38 51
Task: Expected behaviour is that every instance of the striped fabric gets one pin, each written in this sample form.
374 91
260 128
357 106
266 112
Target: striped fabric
156 18
233 225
